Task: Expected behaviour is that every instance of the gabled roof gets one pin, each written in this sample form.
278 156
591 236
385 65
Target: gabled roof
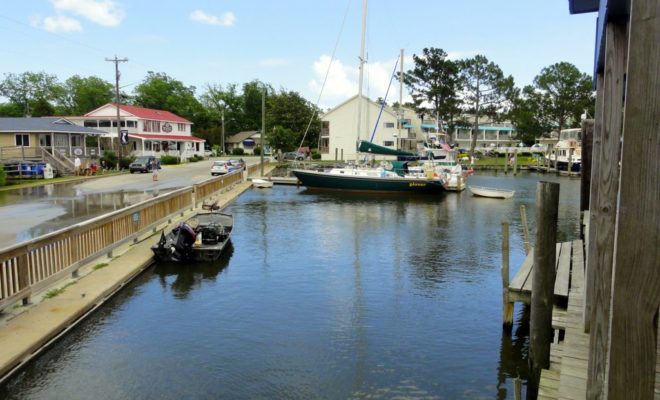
44 124
173 138
387 108
241 136
145 113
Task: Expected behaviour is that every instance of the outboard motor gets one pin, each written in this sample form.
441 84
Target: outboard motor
184 240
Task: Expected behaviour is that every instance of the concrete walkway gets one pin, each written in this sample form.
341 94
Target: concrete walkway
26 330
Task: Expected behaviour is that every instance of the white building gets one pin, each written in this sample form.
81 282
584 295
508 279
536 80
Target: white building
150 132
339 130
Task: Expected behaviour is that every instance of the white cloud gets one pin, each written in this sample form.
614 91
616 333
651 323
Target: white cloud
226 19
274 62
59 23
102 12
457 55
342 81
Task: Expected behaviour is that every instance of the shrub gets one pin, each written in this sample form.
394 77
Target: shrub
126 162
237 151
169 160
110 158
257 151
195 158
316 155
3 176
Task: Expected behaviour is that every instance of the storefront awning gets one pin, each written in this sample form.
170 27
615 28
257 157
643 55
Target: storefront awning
170 138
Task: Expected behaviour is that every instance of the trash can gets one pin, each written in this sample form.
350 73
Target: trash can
48 172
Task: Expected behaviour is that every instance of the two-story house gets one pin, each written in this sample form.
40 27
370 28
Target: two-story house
150 132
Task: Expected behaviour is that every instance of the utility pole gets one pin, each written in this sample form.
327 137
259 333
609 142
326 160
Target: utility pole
117 74
222 138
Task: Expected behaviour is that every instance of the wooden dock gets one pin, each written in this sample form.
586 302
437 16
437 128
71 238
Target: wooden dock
569 353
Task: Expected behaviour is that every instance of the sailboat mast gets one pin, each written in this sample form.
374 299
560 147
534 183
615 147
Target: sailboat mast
360 80
398 140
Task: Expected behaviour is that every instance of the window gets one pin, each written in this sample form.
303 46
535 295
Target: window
91 123
76 140
132 124
155 125
23 140
389 124
388 142
181 127
104 124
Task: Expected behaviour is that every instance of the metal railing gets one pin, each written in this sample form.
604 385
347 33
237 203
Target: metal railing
30 266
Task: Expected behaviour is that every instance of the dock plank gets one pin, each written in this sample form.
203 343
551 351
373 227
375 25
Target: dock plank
524 273
563 270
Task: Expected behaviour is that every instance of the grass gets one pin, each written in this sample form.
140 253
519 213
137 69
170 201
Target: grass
56 292
99 266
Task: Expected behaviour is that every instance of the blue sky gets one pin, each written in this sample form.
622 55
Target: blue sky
287 43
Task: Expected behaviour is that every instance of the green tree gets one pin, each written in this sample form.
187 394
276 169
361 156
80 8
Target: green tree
219 101
34 92
161 92
526 115
290 110
280 138
565 93
11 110
485 90
82 95
434 80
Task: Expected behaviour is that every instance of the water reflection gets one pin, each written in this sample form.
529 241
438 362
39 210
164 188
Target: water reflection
31 212
514 351
181 279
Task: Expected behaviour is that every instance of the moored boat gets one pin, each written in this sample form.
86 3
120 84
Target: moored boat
203 237
481 191
262 183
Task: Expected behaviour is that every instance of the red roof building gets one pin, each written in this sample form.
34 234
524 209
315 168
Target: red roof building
148 131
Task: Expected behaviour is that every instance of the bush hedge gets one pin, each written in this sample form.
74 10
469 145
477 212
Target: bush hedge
195 158
3 176
169 160
237 151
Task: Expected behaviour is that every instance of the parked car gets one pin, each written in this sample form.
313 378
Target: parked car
238 163
294 155
142 164
222 167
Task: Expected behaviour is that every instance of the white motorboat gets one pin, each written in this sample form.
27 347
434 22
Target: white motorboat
481 191
262 183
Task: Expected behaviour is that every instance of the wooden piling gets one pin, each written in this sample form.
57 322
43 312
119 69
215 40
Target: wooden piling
523 219
570 161
336 154
507 305
543 281
585 167
506 162
515 162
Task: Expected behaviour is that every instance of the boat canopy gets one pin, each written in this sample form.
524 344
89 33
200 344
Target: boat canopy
368 147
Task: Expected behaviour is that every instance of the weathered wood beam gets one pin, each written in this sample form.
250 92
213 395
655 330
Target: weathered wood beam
607 186
636 275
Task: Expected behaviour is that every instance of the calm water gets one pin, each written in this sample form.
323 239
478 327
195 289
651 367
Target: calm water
321 296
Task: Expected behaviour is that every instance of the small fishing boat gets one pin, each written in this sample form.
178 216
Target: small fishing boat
201 238
262 183
481 191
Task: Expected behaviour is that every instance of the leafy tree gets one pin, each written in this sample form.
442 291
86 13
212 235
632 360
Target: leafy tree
280 138
251 104
82 95
33 91
565 93
219 101
290 110
11 110
434 80
159 91
526 115
485 90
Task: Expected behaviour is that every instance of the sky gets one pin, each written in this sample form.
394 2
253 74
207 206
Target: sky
286 43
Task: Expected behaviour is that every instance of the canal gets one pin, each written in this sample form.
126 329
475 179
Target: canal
321 295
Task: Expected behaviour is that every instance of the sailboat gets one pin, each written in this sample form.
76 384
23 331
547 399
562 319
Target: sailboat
395 177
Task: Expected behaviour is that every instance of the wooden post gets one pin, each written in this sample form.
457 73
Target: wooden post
507 306
523 219
585 167
506 162
517 388
24 274
336 152
593 199
543 281
570 162
515 162
636 275
556 164
604 204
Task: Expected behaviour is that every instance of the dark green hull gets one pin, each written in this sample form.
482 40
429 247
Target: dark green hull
326 181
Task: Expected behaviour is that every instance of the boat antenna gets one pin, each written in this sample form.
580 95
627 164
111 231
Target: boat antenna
327 73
